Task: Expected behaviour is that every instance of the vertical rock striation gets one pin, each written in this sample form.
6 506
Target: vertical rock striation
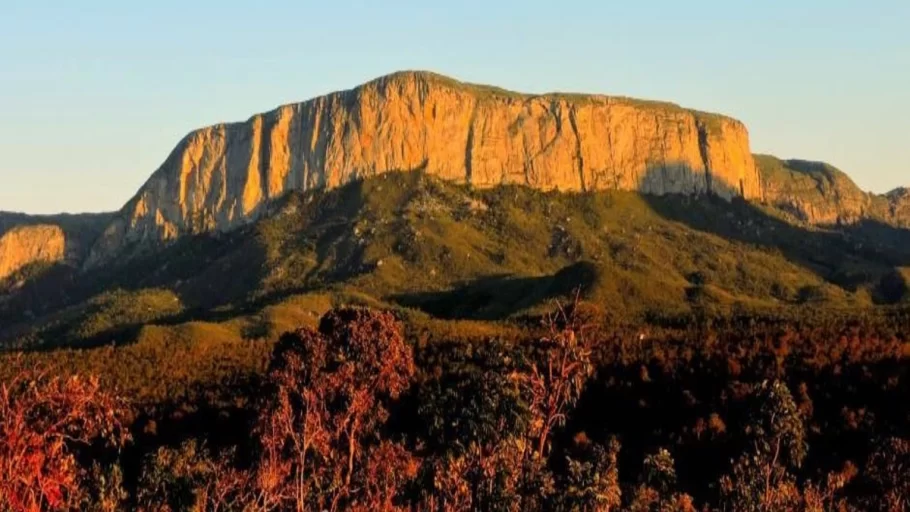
223 176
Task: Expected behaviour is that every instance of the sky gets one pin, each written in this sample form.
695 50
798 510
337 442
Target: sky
95 94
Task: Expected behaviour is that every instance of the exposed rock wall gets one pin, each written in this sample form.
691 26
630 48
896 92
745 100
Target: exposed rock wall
24 245
818 193
223 176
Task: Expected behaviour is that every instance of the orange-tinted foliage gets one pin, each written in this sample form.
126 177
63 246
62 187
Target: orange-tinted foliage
44 422
319 430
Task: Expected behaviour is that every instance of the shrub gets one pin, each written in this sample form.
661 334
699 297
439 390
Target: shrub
45 423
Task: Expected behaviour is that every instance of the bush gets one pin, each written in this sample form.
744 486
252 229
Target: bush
45 424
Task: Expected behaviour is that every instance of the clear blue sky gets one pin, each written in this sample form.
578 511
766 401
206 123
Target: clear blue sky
94 94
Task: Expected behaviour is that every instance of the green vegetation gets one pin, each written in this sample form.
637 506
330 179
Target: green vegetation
703 320
118 308
410 242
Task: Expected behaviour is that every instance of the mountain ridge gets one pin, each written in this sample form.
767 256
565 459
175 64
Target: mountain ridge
226 175
819 193
222 176
414 242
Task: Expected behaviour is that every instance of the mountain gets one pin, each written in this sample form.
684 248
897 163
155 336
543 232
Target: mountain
434 197
25 245
225 175
426 246
818 193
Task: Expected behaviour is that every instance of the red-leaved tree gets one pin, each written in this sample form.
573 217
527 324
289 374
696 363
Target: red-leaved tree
319 436
555 378
44 421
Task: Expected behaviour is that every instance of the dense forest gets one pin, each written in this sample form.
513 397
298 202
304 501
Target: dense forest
573 410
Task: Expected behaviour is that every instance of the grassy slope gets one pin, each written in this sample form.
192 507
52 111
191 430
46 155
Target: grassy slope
198 319
405 240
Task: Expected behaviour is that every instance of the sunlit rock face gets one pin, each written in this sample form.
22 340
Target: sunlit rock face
223 176
24 245
818 193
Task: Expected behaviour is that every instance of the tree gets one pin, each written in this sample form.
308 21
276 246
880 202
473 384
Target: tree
477 400
475 419
761 478
44 423
821 498
190 478
657 489
493 420
555 378
320 424
590 482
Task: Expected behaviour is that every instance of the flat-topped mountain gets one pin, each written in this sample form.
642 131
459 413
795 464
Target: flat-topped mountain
223 176
229 175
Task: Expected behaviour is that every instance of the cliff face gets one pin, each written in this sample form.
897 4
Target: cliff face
24 245
818 193
222 176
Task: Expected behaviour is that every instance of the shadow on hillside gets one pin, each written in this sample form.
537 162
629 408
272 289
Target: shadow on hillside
868 253
216 276
497 297
221 276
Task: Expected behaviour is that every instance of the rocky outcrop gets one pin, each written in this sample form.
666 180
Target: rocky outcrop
223 176
24 245
898 211
80 230
818 193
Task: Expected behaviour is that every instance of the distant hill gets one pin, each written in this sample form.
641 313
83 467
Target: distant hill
27 240
818 193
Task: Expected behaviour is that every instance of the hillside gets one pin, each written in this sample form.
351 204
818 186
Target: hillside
818 193
409 240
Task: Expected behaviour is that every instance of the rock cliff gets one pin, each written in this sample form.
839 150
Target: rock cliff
223 176
24 245
818 193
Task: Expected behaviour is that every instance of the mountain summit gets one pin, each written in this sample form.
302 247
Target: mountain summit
224 175
229 175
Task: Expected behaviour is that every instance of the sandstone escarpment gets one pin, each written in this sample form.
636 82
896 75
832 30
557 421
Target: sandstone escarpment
818 193
223 176
25 245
